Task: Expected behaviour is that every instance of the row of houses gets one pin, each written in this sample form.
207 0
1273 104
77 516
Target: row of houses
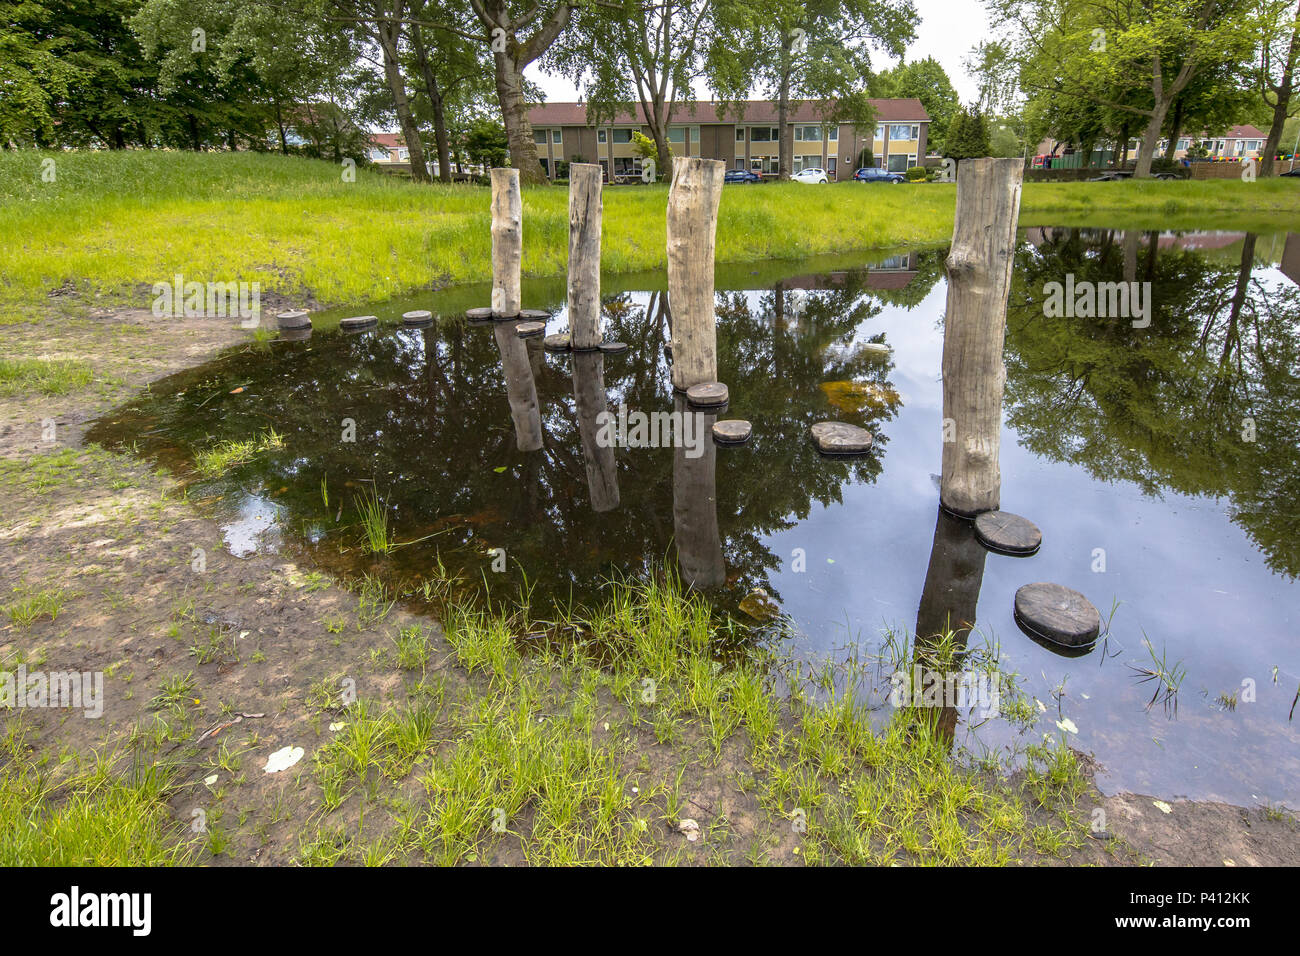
1237 143
744 139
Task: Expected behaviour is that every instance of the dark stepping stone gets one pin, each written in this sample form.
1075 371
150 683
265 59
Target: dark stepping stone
558 342
707 395
293 320
528 330
534 315
1005 533
733 431
358 323
840 438
1057 615
419 319
613 348
478 315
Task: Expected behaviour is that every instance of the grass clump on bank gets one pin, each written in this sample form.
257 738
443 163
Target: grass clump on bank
20 377
612 737
107 224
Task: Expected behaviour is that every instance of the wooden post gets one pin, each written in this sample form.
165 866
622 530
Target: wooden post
590 399
584 255
692 229
979 281
521 390
507 242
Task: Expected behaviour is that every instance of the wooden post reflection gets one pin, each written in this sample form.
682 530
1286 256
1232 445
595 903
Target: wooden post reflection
695 504
521 390
590 400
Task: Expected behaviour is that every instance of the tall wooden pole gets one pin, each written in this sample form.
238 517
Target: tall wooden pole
584 255
692 229
979 281
695 503
590 399
521 390
507 242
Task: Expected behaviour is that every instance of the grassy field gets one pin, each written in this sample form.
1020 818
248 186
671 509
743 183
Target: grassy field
112 224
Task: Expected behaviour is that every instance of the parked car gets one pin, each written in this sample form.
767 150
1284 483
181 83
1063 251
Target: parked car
742 176
813 174
870 174
1293 172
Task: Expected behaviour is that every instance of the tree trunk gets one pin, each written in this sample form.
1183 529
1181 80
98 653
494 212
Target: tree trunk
692 229
979 280
1175 130
1151 137
784 134
388 35
434 92
514 113
584 255
1283 92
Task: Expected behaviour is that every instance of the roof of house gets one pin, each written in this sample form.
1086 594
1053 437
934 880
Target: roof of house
387 140
696 112
1244 132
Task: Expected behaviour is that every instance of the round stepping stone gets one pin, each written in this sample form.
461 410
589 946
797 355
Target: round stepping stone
534 315
293 320
1005 533
1058 615
707 395
358 323
613 348
840 438
528 330
478 315
419 319
733 431
559 342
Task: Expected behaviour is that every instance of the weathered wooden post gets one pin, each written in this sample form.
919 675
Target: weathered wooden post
979 281
507 242
584 255
692 229
695 500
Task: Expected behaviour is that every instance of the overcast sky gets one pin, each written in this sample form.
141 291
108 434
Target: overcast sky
947 31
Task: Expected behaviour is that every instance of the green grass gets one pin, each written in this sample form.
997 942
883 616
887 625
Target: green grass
106 226
42 376
33 606
105 814
225 455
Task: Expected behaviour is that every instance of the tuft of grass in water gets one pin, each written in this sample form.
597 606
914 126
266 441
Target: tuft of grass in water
1165 677
226 455
377 539
42 376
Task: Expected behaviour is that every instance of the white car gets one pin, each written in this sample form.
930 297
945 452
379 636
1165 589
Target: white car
813 174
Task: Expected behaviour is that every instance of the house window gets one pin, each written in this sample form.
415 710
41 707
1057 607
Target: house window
676 134
830 166
740 163
403 155
880 131
622 136
898 163
695 134
604 170
545 167
756 164
807 134
833 134
759 134
916 132
539 137
600 136
740 134
900 131
555 137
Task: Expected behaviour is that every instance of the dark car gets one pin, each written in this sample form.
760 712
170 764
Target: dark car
1294 172
742 176
869 174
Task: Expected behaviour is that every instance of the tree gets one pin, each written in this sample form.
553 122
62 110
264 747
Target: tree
485 143
1134 58
506 25
927 81
34 74
796 52
628 54
1279 57
968 136
449 69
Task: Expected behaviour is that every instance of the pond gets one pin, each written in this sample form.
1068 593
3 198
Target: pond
1161 463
